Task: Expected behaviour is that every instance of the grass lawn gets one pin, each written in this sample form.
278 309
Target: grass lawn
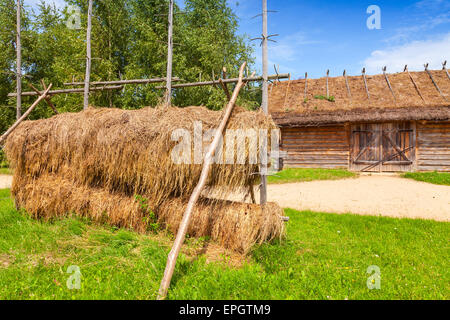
302 174
325 256
442 178
5 171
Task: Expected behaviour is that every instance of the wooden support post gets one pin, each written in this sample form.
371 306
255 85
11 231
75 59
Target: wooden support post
306 84
169 57
287 93
347 85
365 83
88 57
328 91
388 83
444 67
19 62
265 101
414 83
224 86
47 99
209 159
24 116
434 82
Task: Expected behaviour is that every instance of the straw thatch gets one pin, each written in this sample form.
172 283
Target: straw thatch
290 107
96 161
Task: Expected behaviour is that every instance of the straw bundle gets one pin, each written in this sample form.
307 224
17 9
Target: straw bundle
125 151
94 162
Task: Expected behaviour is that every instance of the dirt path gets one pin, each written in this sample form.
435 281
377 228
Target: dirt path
367 195
5 181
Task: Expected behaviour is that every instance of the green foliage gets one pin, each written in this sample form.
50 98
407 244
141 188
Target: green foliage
442 178
305 174
150 216
325 256
321 97
129 40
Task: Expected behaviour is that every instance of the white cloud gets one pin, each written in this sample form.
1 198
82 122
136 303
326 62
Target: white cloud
288 47
415 54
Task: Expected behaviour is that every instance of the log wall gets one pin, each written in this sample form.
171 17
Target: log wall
315 147
433 146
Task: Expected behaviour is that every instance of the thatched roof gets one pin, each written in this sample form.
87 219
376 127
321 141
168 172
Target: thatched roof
290 107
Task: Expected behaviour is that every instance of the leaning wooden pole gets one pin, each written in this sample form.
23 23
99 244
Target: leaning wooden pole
265 102
19 62
25 115
87 77
169 56
209 159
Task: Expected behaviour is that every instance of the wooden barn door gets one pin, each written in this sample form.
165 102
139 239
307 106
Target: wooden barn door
383 147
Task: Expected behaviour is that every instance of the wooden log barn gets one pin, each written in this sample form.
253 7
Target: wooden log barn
380 123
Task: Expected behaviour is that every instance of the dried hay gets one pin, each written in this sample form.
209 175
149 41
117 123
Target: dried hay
95 162
236 226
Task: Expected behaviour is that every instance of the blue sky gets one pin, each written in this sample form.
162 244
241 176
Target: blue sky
333 34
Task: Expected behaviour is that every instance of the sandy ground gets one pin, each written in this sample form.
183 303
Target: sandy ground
367 195
5 181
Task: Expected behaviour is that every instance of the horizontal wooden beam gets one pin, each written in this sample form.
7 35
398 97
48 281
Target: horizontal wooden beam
225 81
63 91
122 82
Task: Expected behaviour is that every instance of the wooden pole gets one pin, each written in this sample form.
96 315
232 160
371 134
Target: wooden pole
224 86
365 83
328 91
47 99
444 67
434 82
346 83
226 81
19 62
388 82
209 159
63 91
414 82
24 116
265 102
169 56
306 84
120 82
88 57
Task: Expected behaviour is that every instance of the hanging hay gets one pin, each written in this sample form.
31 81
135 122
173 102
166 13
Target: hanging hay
95 162
236 226
126 151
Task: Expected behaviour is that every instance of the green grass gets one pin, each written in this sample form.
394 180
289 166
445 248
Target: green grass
325 256
5 171
442 178
302 174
